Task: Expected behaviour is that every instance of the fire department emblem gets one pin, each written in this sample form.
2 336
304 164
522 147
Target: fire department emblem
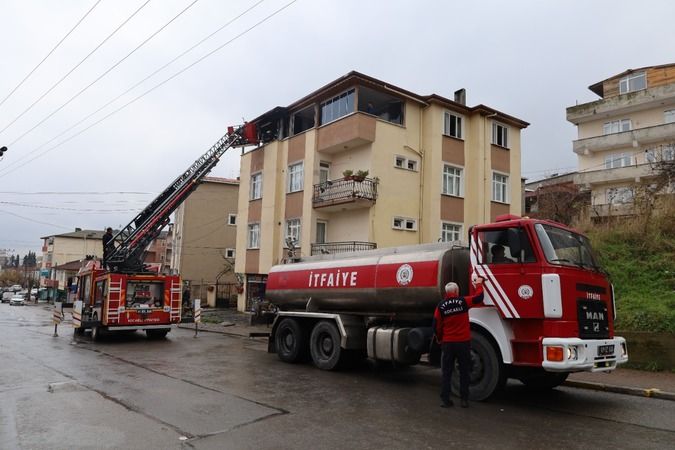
525 292
404 275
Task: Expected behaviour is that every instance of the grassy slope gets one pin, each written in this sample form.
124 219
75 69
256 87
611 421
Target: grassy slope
641 262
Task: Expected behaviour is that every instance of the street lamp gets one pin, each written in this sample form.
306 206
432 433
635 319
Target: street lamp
3 149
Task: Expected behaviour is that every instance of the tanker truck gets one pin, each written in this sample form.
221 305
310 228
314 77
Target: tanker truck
548 308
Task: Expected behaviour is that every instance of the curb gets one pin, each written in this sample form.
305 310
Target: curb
626 390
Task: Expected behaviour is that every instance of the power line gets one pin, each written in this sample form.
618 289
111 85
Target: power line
151 89
34 221
110 69
76 66
50 53
77 193
60 208
9 166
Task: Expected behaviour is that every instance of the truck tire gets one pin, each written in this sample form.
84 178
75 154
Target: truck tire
541 380
96 333
487 371
324 346
290 341
156 334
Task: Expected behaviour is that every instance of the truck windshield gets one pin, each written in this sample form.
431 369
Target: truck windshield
566 248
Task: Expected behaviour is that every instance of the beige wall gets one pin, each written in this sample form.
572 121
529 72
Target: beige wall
202 232
66 249
639 119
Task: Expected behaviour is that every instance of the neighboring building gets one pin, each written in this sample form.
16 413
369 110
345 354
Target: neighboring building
204 237
556 198
623 136
156 254
62 248
435 167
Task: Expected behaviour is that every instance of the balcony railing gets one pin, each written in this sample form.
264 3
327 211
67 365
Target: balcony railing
342 247
343 191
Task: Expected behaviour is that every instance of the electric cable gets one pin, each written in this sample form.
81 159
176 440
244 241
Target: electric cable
50 53
153 88
110 69
9 166
76 66
33 220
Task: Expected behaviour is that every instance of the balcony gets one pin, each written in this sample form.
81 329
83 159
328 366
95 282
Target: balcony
342 247
345 193
602 176
345 133
625 139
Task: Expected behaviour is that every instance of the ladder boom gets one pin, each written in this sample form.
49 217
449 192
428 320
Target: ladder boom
124 253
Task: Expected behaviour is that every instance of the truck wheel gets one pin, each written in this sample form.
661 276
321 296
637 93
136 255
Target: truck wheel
324 345
290 341
541 380
96 333
156 334
487 372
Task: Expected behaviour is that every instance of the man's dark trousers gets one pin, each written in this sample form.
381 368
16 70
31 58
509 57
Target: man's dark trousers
462 352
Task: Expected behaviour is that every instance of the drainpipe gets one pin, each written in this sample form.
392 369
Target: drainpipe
420 208
487 148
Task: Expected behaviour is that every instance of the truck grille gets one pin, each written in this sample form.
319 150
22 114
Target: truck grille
593 319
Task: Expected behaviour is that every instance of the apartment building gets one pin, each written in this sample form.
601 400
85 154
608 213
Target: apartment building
623 136
204 237
360 164
63 248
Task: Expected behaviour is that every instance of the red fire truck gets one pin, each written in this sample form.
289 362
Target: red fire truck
121 293
549 307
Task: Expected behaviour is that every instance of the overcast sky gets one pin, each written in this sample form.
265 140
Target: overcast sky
530 59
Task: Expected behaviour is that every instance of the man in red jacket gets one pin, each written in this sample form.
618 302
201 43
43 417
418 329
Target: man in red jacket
451 325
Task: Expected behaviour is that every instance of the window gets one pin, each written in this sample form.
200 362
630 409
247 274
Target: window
500 191
617 160
669 116
402 223
500 135
505 246
256 186
452 181
616 126
292 232
231 219
452 125
668 152
338 106
253 235
321 232
620 195
295 178
402 162
229 253
324 172
632 83
303 120
451 232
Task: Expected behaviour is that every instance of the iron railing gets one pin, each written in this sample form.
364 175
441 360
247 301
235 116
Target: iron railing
344 190
342 247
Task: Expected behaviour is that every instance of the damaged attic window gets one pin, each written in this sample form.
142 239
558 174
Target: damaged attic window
337 107
384 106
303 120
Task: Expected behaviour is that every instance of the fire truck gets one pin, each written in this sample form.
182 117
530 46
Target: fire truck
121 293
548 310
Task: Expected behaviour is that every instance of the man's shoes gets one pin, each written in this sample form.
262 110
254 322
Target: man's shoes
447 404
464 403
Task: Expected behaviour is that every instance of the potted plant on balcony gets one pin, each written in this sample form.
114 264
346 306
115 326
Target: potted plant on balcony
360 175
348 174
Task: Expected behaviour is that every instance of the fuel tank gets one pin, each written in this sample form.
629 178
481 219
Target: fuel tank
408 279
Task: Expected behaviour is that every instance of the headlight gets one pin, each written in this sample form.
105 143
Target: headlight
572 352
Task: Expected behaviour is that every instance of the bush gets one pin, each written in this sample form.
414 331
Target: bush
639 255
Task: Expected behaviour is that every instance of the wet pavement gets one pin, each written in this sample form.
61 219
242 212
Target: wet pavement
220 391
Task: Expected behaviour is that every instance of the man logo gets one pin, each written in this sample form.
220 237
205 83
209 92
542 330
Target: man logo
596 327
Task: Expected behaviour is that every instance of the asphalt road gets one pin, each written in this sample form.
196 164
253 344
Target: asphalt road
222 392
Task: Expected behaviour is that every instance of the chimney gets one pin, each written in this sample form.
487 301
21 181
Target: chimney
460 96
78 229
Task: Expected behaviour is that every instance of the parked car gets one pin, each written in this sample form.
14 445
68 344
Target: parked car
16 288
16 300
6 296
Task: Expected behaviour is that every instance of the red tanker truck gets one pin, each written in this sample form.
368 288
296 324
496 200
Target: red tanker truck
549 307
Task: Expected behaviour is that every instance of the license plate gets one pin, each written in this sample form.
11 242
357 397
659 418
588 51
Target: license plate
606 350
144 311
